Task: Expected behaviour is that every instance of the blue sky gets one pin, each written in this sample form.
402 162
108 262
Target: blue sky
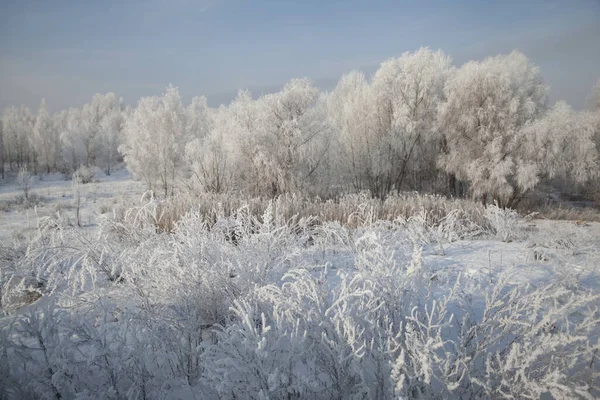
66 51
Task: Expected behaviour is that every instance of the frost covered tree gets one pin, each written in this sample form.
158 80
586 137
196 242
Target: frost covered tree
155 138
99 123
206 154
489 103
387 128
272 145
73 148
89 124
2 149
109 136
25 180
198 118
594 106
594 98
408 91
289 123
350 108
559 145
232 145
18 127
45 140
91 135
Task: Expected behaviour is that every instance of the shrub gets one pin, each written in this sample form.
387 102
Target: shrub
83 175
230 303
25 180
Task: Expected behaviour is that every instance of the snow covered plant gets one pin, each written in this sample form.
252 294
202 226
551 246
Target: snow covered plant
308 338
504 223
34 353
248 306
57 258
83 175
25 180
298 341
423 229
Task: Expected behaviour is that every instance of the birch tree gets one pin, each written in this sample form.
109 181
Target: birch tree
408 91
290 123
154 139
45 140
350 108
18 126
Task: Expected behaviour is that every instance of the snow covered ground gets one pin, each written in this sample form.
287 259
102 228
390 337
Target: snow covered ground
55 195
263 307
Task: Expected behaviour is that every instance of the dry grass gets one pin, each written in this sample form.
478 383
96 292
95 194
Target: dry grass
349 210
570 214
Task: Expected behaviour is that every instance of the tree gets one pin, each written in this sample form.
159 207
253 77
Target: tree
154 139
594 105
594 98
98 129
350 110
25 180
289 124
489 103
387 128
1 149
271 145
77 187
241 124
560 144
45 140
109 136
18 127
206 153
408 91
73 148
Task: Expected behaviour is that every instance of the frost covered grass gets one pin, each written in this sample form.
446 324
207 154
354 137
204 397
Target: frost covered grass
351 210
415 297
570 213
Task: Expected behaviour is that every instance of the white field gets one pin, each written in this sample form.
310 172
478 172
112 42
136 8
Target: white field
97 197
194 278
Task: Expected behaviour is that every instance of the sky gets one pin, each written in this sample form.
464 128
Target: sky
68 50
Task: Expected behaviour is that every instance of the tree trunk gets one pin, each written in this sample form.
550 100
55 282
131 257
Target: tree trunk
452 184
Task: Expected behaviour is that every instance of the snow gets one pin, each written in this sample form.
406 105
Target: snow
385 307
56 193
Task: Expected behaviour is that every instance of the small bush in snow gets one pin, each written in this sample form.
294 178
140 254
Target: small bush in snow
83 175
25 180
504 223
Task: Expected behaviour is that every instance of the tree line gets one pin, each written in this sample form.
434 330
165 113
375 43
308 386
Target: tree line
484 129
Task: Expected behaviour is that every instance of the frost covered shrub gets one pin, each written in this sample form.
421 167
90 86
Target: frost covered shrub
425 229
61 254
188 280
504 223
307 344
25 180
565 247
58 258
308 339
83 175
21 202
255 358
34 351
239 305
